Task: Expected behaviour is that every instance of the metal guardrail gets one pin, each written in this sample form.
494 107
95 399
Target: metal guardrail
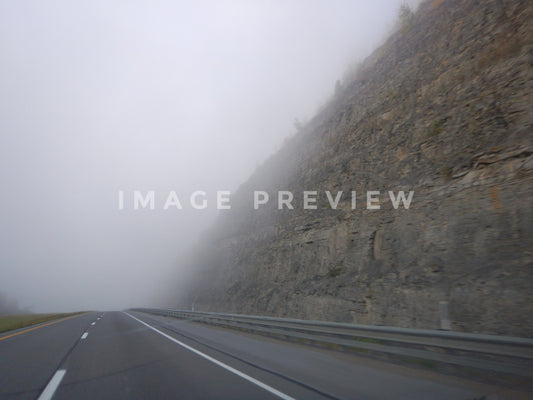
493 353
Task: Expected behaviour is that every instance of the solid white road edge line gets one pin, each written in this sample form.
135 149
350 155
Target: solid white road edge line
50 389
219 363
84 336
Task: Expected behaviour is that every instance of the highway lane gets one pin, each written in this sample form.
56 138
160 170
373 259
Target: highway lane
140 356
29 358
327 374
123 359
323 374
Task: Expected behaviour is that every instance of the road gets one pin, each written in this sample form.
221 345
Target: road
126 355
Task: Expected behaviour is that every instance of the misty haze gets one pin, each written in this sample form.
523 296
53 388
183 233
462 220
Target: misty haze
286 199
101 96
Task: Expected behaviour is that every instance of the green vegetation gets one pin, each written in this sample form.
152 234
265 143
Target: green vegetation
331 346
335 271
405 17
391 94
10 322
367 340
436 128
419 361
446 172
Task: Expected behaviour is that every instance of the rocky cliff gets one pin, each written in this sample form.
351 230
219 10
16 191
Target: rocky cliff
444 109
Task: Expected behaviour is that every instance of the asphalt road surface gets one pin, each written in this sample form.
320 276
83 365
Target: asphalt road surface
125 355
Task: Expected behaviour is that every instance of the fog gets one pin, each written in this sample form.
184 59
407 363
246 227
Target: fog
102 96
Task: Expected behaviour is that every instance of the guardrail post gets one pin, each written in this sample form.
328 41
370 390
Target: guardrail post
445 323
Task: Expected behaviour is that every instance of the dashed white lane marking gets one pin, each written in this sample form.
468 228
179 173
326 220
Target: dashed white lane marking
84 336
50 389
93 323
219 363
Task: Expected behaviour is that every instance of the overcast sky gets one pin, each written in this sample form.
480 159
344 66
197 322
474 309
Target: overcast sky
101 96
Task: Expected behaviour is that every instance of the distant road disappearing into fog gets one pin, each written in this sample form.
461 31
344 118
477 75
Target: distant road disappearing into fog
127 355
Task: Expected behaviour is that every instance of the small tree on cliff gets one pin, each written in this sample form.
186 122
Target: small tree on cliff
405 17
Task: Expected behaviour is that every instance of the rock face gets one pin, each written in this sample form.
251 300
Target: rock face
444 109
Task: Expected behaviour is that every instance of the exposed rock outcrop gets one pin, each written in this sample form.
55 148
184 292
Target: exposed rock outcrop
443 108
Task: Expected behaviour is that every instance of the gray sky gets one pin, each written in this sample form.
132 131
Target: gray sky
97 96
